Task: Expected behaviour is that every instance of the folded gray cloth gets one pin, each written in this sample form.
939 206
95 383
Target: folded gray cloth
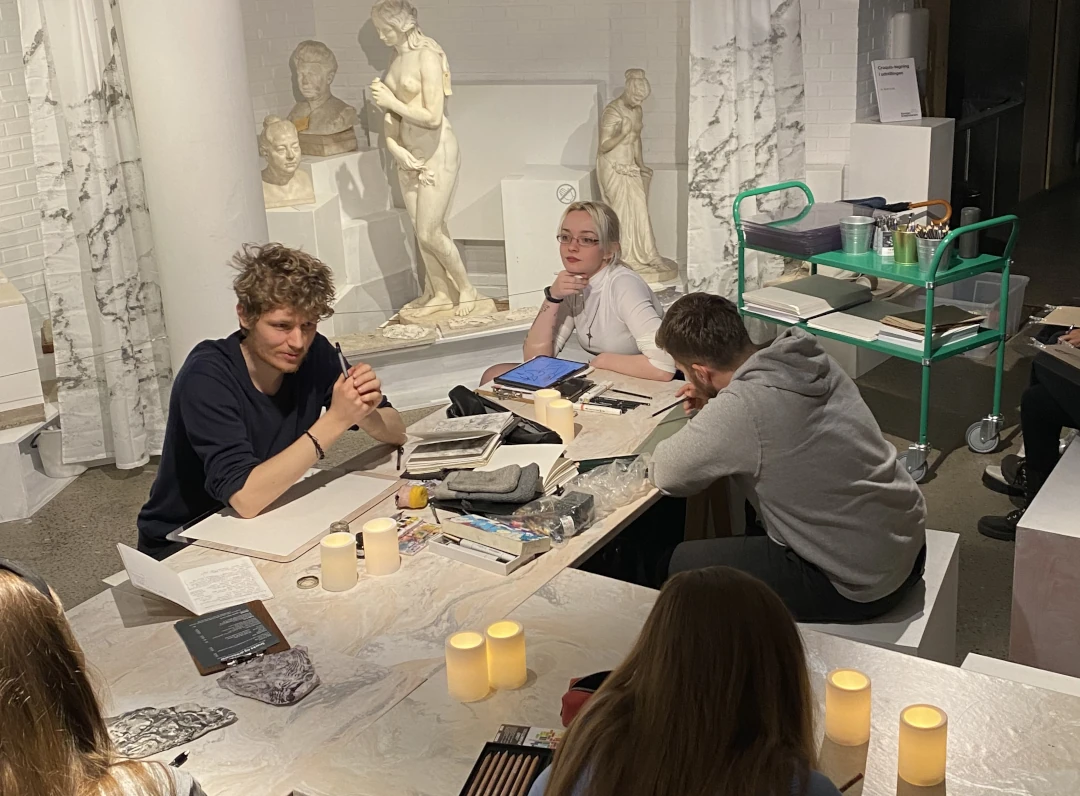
147 731
283 678
500 481
527 488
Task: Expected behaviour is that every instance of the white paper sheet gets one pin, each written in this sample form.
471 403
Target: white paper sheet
305 509
200 589
897 90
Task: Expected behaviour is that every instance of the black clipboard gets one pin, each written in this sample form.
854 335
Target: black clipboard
221 639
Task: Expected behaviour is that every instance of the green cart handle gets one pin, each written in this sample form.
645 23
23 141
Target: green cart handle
976 227
783 186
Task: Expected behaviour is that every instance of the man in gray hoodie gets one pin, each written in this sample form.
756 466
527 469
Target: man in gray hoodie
844 522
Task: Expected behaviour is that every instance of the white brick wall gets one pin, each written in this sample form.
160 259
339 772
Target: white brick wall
272 30
840 39
20 219
532 40
874 18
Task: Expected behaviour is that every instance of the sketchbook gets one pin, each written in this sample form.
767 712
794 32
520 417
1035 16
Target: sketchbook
295 522
555 469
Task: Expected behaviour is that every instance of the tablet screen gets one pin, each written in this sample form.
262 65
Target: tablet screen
541 372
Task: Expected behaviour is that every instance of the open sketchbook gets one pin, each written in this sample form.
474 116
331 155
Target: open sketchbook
201 589
555 469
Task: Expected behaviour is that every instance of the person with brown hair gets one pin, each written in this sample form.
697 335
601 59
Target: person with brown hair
714 698
53 740
843 536
245 414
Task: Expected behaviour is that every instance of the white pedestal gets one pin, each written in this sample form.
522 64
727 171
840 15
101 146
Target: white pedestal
1046 575
904 162
363 307
20 381
379 245
533 200
315 228
826 182
25 488
359 179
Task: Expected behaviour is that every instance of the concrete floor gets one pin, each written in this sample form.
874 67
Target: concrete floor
72 541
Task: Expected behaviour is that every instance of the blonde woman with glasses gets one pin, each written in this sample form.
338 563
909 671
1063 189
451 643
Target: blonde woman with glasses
614 313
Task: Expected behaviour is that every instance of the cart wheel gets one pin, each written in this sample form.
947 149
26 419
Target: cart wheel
919 473
975 440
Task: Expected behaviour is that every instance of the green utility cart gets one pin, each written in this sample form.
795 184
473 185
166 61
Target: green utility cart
982 435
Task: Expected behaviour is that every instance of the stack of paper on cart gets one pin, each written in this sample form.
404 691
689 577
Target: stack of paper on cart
809 297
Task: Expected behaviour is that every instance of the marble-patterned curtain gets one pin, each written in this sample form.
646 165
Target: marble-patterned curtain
112 361
746 129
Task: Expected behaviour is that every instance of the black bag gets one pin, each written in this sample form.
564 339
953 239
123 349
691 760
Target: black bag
464 402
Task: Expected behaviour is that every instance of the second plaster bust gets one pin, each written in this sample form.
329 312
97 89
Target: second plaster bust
320 112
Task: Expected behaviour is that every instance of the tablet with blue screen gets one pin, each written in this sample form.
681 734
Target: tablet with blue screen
540 373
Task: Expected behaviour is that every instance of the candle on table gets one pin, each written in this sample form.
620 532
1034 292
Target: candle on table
466 666
924 731
506 655
847 707
337 553
381 546
541 399
560 419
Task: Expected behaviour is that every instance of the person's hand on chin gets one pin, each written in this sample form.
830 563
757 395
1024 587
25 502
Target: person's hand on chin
567 284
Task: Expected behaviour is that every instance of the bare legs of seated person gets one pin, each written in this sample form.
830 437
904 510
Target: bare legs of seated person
497 370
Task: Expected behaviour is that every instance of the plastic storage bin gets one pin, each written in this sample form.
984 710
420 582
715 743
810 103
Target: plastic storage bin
982 295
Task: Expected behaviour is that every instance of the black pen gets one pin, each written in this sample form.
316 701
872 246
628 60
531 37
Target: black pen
179 760
344 362
635 394
435 514
399 452
667 408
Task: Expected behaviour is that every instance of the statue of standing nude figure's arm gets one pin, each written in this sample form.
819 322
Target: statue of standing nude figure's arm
419 137
624 179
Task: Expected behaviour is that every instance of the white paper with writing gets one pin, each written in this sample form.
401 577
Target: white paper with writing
897 88
201 589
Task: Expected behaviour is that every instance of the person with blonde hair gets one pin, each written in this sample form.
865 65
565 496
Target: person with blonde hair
713 699
246 414
53 739
612 310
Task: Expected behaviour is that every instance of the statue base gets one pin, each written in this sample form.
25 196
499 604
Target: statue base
654 273
324 145
425 317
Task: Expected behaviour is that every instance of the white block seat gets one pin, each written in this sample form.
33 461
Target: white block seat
1018 673
924 624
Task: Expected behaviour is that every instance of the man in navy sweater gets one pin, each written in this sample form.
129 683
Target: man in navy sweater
246 413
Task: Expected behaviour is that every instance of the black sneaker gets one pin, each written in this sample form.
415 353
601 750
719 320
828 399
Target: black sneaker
1008 479
1003 528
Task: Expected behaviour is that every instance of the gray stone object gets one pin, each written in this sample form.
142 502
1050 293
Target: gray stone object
283 678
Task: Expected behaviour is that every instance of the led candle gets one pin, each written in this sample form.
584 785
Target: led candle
847 707
924 731
541 399
506 655
466 666
560 419
381 546
337 553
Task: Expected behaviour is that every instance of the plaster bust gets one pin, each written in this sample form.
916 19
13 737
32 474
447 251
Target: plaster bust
284 183
320 113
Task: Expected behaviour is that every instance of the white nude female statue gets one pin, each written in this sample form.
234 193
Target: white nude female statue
624 179
420 138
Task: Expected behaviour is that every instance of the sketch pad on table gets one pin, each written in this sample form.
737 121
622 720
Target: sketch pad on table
295 522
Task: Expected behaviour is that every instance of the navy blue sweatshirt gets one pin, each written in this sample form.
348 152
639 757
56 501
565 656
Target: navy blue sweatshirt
221 427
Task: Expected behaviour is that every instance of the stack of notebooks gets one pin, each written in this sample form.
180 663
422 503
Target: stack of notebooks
809 230
459 443
951 325
809 297
555 469
862 322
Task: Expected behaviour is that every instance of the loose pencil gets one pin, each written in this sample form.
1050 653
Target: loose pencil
667 408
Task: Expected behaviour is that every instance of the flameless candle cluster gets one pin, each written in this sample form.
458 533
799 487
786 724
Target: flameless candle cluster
476 663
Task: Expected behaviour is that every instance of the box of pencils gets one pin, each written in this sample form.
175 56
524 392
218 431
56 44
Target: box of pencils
506 769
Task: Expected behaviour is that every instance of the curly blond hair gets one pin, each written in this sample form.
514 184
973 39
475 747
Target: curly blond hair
272 276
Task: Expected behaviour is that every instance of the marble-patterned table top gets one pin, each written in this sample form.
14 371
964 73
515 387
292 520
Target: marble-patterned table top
371 645
1004 737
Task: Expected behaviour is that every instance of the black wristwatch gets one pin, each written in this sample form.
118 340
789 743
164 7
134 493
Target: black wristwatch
551 298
